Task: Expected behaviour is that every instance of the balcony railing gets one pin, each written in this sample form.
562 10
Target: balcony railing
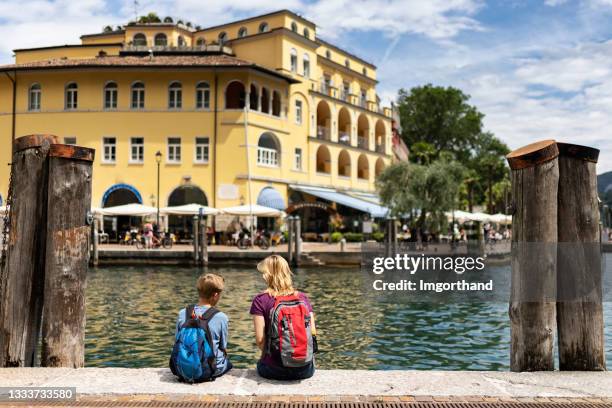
323 133
267 157
380 148
344 137
362 142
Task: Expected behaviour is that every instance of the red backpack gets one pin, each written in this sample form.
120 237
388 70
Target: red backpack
290 331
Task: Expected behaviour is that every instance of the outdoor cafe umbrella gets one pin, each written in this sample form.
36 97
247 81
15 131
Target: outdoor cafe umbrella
190 209
253 209
501 218
132 210
479 216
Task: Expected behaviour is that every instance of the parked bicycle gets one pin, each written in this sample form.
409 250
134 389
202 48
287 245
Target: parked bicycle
261 241
165 241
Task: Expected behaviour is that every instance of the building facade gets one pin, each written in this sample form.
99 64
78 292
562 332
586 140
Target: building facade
257 110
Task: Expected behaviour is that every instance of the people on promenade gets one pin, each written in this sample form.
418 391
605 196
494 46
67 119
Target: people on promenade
202 321
284 325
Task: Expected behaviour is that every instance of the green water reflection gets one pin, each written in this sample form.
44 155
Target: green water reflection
131 314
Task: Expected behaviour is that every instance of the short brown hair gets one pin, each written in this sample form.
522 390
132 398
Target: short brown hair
209 284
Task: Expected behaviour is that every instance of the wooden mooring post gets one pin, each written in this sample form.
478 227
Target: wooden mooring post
44 279
203 241
579 275
297 230
68 226
22 282
535 180
290 235
196 240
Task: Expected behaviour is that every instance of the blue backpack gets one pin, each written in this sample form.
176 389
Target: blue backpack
193 357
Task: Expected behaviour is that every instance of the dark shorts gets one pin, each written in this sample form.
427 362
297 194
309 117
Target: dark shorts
285 374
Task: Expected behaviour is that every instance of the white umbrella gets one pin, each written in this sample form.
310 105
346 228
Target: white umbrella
133 210
189 209
479 216
460 216
253 209
501 218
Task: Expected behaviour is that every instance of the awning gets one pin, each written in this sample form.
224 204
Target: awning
269 197
368 207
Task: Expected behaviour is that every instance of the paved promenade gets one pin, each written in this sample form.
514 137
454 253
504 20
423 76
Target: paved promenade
158 384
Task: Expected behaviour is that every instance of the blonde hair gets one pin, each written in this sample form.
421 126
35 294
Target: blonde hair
209 284
278 276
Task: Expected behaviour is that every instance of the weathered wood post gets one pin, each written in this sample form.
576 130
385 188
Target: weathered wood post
22 285
535 180
297 228
95 240
68 223
196 240
290 253
579 287
203 242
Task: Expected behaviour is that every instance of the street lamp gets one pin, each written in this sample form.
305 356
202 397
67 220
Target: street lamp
158 157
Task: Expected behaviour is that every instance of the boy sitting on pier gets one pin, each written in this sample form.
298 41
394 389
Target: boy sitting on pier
199 353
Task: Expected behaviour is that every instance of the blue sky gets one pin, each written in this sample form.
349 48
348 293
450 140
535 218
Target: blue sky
537 69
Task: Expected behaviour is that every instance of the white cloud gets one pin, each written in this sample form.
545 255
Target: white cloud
554 3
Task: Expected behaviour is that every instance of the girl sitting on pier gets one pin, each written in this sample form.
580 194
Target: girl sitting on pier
284 325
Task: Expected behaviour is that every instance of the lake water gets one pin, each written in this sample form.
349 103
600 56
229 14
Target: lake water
131 314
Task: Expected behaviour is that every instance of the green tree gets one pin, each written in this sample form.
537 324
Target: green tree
425 193
149 18
440 117
436 120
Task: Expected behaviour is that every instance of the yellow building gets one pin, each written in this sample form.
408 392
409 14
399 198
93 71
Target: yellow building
257 110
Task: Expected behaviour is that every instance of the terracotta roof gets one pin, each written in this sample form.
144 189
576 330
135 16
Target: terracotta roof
160 61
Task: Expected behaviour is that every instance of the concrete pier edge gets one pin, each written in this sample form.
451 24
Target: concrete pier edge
352 385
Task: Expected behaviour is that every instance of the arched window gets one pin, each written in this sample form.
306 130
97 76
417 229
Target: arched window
34 97
139 40
264 27
72 96
294 27
323 121
200 42
306 65
380 166
344 126
243 32
365 71
363 132
323 160
344 164
138 95
181 41
110 95
175 95
161 40
307 33
276 103
363 167
380 133
203 95
235 96
328 54
222 38
268 150
294 60
347 63
254 98
265 100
